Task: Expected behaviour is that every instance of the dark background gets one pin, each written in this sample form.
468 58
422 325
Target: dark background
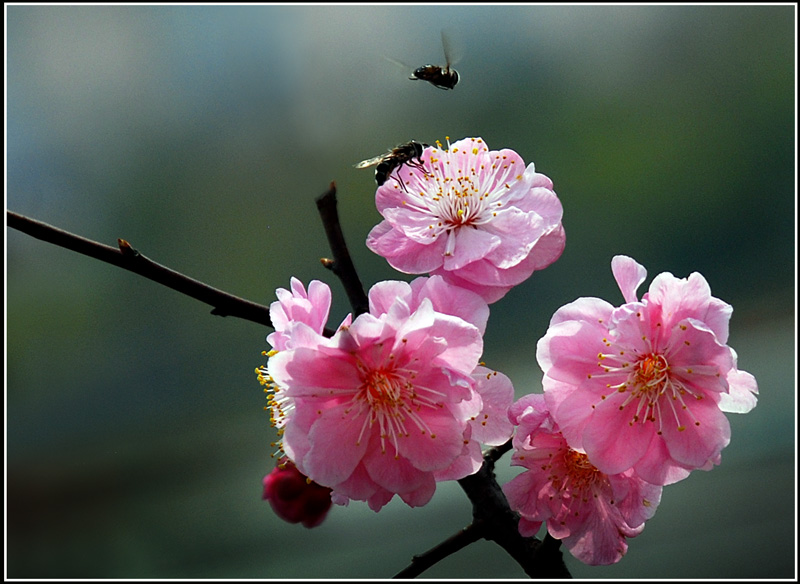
135 435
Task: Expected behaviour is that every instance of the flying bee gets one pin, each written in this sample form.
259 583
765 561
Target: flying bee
441 77
409 154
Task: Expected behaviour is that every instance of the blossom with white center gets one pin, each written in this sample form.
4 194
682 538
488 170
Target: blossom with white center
591 512
479 218
394 401
645 385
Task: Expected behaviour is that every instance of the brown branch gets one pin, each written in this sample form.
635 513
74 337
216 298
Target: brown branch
128 258
493 520
493 454
492 517
498 523
451 545
341 264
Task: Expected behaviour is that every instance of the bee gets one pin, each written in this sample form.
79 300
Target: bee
409 153
441 77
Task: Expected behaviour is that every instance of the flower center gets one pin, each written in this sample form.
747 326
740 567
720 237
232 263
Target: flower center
580 483
653 390
382 390
581 473
457 201
461 202
461 187
648 381
389 400
650 376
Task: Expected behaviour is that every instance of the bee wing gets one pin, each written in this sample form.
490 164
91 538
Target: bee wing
450 56
370 161
399 63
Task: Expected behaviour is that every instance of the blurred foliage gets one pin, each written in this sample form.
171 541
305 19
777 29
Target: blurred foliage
201 134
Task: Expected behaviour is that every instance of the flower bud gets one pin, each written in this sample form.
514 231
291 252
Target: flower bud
294 497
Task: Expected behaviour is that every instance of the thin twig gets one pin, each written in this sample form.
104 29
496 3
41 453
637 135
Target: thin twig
128 258
451 545
341 264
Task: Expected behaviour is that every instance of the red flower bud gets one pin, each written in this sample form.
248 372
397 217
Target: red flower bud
294 497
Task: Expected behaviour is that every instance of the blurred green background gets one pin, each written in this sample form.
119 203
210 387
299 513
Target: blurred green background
135 435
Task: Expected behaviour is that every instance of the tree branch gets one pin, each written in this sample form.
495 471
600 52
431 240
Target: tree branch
451 545
493 454
341 264
498 523
128 258
493 520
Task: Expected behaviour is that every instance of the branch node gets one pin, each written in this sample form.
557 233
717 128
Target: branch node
328 263
126 248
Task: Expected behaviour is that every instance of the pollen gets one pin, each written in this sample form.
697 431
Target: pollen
581 473
389 401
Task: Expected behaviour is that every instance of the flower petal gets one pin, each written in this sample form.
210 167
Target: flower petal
492 426
742 389
615 451
434 446
471 244
452 300
402 253
629 275
701 432
330 462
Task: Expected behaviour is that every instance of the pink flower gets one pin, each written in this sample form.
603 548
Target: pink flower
592 513
299 319
396 400
493 395
645 385
293 497
295 307
478 218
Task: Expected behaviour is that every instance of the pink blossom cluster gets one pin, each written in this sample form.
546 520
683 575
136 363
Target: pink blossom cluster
395 400
633 400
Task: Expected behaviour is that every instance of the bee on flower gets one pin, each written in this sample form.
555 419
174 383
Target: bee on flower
479 218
